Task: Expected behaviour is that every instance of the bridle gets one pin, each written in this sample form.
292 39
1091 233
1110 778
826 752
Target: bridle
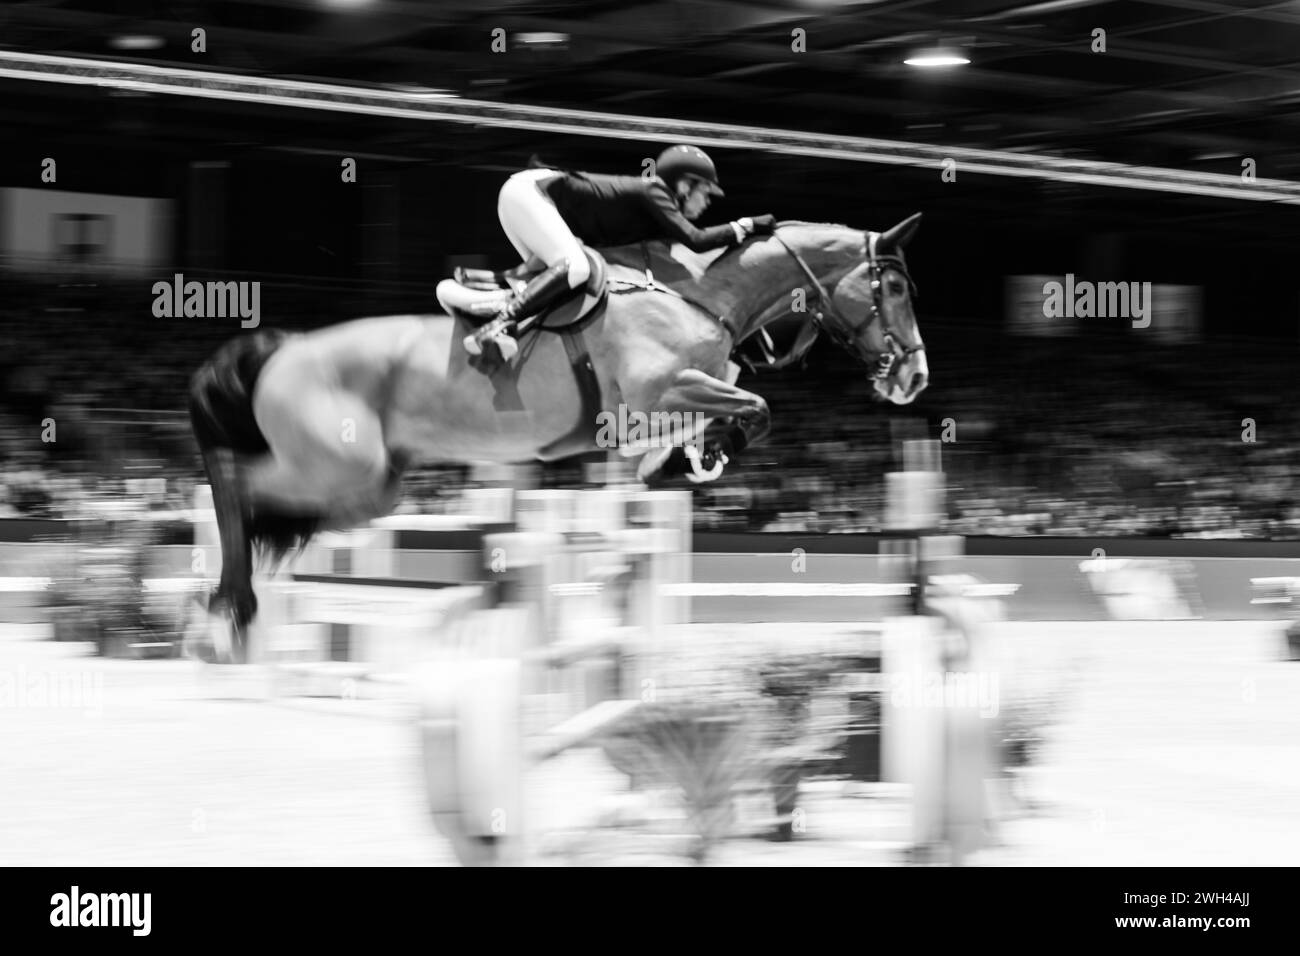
877 264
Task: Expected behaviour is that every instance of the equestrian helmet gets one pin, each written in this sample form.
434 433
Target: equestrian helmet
678 161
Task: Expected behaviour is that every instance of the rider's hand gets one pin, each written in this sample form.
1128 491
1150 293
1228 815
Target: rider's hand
762 225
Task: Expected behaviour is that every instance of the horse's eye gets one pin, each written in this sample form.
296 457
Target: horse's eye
895 288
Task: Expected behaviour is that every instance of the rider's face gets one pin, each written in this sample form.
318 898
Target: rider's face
694 195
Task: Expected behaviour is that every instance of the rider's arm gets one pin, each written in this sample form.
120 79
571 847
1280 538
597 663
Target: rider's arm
678 228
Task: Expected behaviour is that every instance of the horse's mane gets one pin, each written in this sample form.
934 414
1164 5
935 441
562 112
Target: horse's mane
731 282
630 255
737 250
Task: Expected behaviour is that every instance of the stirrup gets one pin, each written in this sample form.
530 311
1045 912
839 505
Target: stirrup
503 345
493 334
474 341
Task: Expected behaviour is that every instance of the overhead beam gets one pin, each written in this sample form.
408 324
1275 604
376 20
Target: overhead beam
357 100
1283 12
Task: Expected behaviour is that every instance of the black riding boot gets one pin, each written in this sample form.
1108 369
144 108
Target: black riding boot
548 287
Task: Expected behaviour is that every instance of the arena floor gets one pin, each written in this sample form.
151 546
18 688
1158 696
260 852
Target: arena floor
1177 744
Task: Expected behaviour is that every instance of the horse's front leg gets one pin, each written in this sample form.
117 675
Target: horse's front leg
695 392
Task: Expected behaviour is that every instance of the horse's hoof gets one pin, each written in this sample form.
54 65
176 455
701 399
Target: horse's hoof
701 472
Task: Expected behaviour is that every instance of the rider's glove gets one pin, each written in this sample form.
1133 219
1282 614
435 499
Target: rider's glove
763 225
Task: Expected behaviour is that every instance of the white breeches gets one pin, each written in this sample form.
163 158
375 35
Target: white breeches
535 227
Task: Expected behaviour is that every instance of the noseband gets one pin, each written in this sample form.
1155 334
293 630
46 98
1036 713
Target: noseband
876 265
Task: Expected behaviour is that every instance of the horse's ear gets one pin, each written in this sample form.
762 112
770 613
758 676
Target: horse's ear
900 235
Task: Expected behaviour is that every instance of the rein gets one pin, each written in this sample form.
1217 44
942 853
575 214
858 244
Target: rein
876 265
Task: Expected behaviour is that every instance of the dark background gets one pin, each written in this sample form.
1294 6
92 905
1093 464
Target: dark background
1108 416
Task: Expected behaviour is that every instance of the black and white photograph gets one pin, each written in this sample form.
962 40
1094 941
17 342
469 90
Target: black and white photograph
650 433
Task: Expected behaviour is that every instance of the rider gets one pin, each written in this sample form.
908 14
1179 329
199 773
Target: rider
548 214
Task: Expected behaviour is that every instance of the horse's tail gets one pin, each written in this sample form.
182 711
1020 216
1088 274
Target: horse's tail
221 415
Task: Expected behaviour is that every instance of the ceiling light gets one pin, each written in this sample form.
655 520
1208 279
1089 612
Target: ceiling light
543 39
937 57
132 41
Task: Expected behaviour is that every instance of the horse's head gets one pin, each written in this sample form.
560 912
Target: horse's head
861 297
873 317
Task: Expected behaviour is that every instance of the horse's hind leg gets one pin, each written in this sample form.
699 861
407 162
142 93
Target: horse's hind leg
330 463
367 503
327 451
341 496
240 489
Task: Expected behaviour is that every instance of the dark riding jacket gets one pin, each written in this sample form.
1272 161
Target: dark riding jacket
620 210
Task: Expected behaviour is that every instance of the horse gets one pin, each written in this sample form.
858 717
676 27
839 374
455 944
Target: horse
302 433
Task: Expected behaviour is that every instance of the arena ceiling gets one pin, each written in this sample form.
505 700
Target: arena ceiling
1192 85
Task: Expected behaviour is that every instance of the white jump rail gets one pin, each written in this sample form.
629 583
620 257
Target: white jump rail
1275 590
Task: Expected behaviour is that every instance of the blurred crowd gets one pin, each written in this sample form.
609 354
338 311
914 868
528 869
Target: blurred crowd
1096 435
1106 434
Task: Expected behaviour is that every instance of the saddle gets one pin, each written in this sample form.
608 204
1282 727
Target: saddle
477 295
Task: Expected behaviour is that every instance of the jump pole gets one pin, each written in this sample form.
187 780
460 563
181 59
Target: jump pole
559 567
923 745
